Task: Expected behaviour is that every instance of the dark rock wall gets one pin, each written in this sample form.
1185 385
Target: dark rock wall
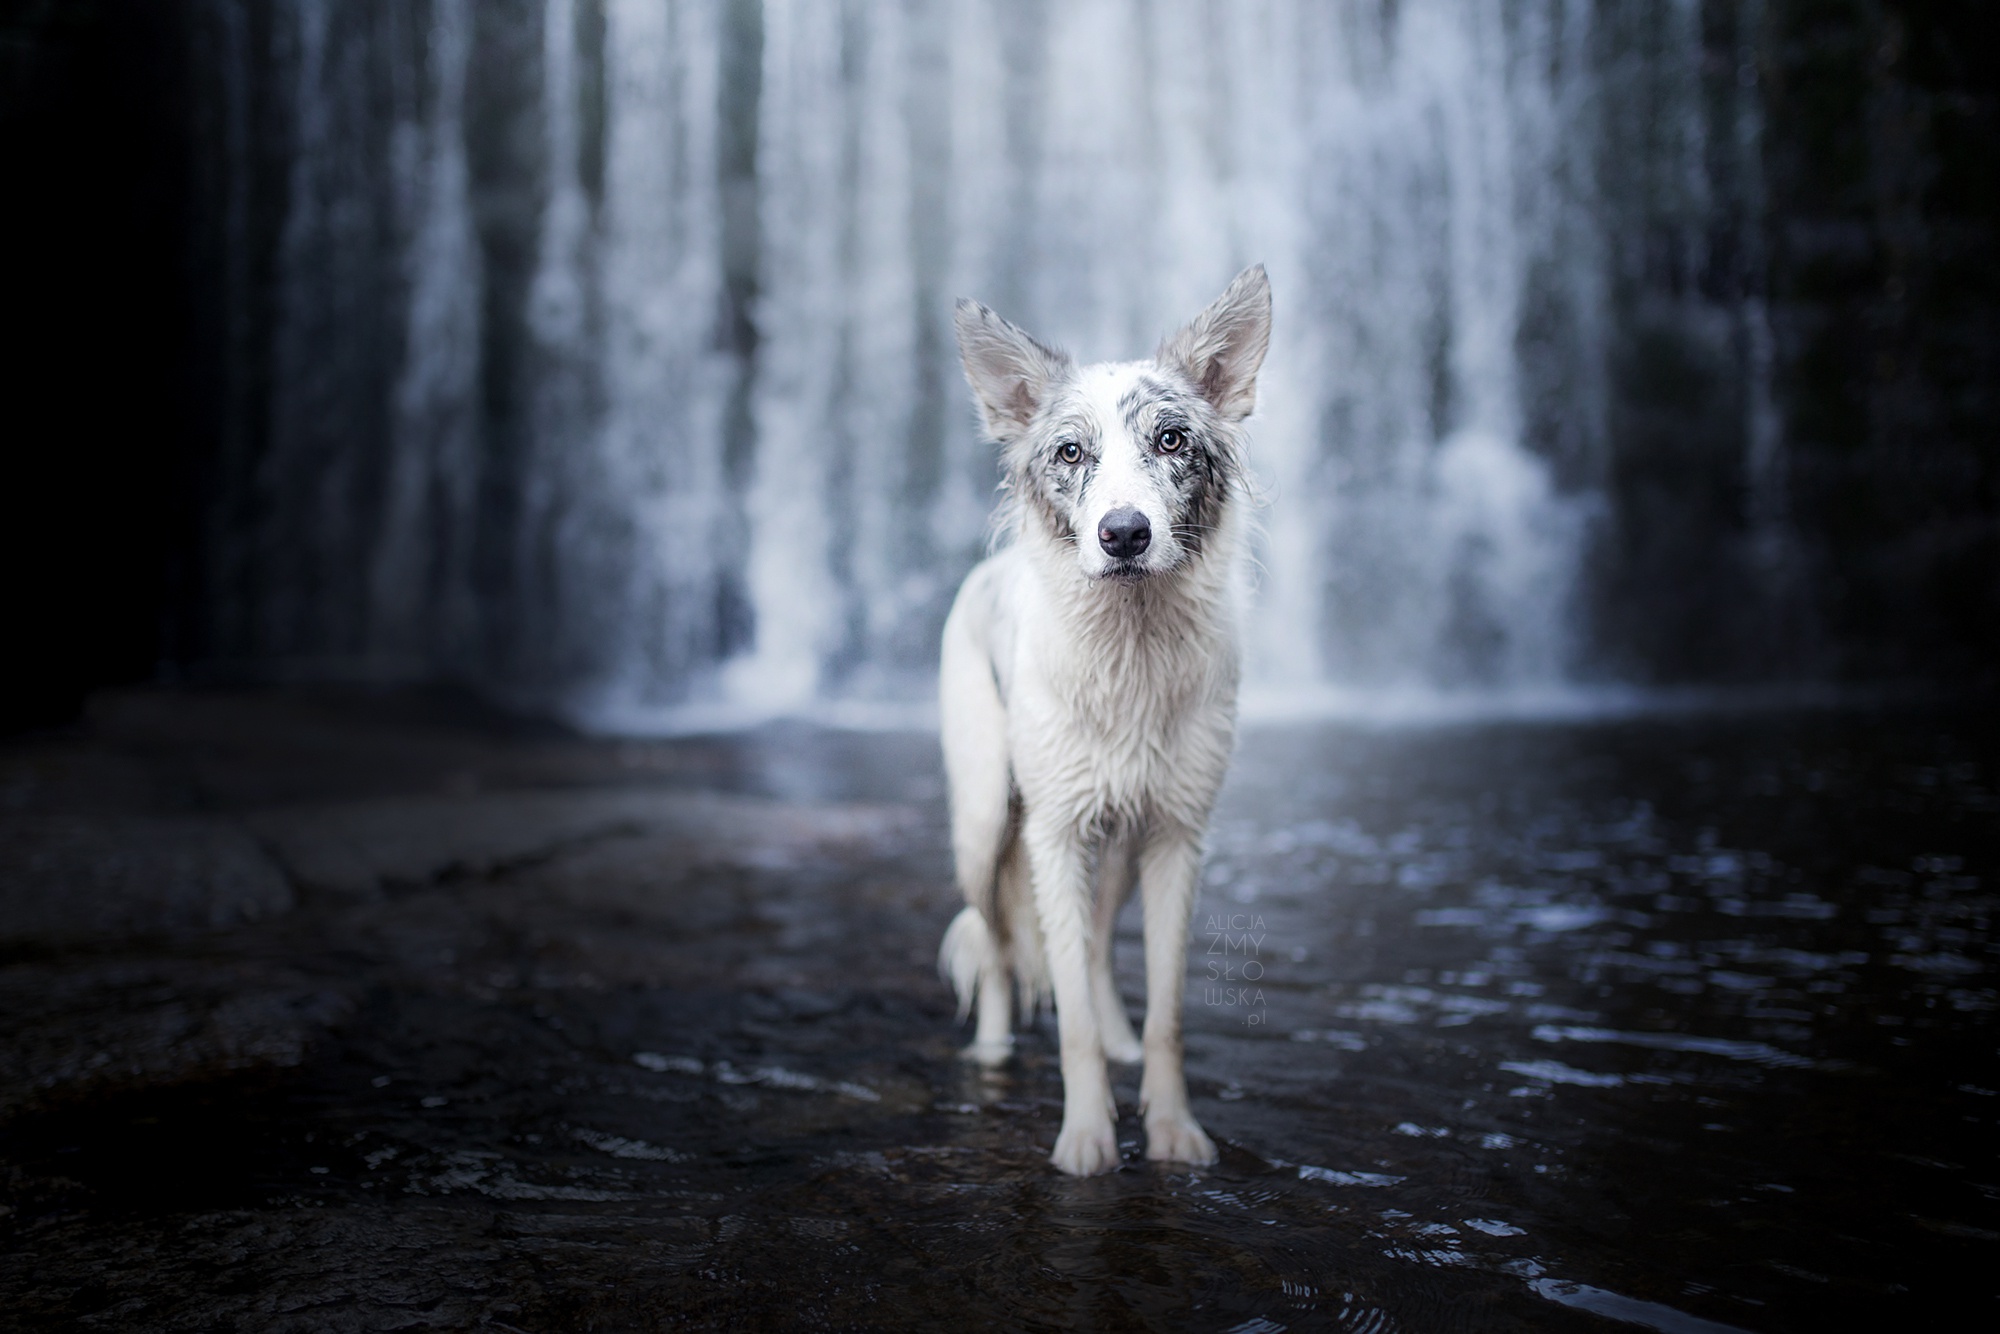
103 422
1883 158
1857 246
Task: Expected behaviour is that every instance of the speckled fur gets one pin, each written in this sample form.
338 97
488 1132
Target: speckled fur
1089 703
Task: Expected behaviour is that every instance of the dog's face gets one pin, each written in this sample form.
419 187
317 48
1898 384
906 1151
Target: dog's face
1130 463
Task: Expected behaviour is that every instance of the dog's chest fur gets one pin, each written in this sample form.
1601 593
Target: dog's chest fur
1120 698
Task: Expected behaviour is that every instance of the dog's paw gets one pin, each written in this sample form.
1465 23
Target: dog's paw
1123 1048
988 1054
1178 1139
1114 1033
1086 1151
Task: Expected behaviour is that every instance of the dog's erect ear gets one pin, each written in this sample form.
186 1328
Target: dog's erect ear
1221 348
1010 373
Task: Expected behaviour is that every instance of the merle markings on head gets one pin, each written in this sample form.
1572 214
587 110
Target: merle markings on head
1130 462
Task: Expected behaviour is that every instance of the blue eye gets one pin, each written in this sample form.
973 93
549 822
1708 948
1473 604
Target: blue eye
1070 452
1170 440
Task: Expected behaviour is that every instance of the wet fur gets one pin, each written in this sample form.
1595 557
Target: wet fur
1089 703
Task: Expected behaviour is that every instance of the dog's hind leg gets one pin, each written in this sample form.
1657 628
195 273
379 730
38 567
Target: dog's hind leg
1168 869
975 965
973 729
1114 885
974 957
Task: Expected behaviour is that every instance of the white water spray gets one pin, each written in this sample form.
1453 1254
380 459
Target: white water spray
699 531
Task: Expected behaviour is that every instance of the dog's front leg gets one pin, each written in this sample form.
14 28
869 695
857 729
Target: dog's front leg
1087 1144
1168 869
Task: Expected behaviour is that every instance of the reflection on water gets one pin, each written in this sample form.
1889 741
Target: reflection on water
1685 1026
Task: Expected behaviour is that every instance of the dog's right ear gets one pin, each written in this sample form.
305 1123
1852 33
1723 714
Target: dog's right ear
1010 373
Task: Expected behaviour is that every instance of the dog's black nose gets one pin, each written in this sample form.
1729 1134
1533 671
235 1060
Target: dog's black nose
1124 533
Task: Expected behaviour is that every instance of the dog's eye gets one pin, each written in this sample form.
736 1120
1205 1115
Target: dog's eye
1170 440
1070 451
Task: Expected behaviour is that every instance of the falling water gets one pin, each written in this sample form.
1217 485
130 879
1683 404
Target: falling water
610 359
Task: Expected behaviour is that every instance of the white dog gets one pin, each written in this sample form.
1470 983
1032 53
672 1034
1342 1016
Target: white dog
1089 694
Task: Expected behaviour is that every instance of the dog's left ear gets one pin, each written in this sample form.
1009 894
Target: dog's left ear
1221 348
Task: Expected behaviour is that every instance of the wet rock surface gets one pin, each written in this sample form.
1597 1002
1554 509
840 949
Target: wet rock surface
339 1011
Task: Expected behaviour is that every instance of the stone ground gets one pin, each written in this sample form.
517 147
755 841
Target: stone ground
366 1010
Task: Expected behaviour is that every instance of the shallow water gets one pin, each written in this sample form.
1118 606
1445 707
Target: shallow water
1680 1025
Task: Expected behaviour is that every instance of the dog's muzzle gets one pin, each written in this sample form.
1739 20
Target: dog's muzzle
1124 533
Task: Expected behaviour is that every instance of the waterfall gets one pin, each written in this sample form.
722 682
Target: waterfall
609 359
